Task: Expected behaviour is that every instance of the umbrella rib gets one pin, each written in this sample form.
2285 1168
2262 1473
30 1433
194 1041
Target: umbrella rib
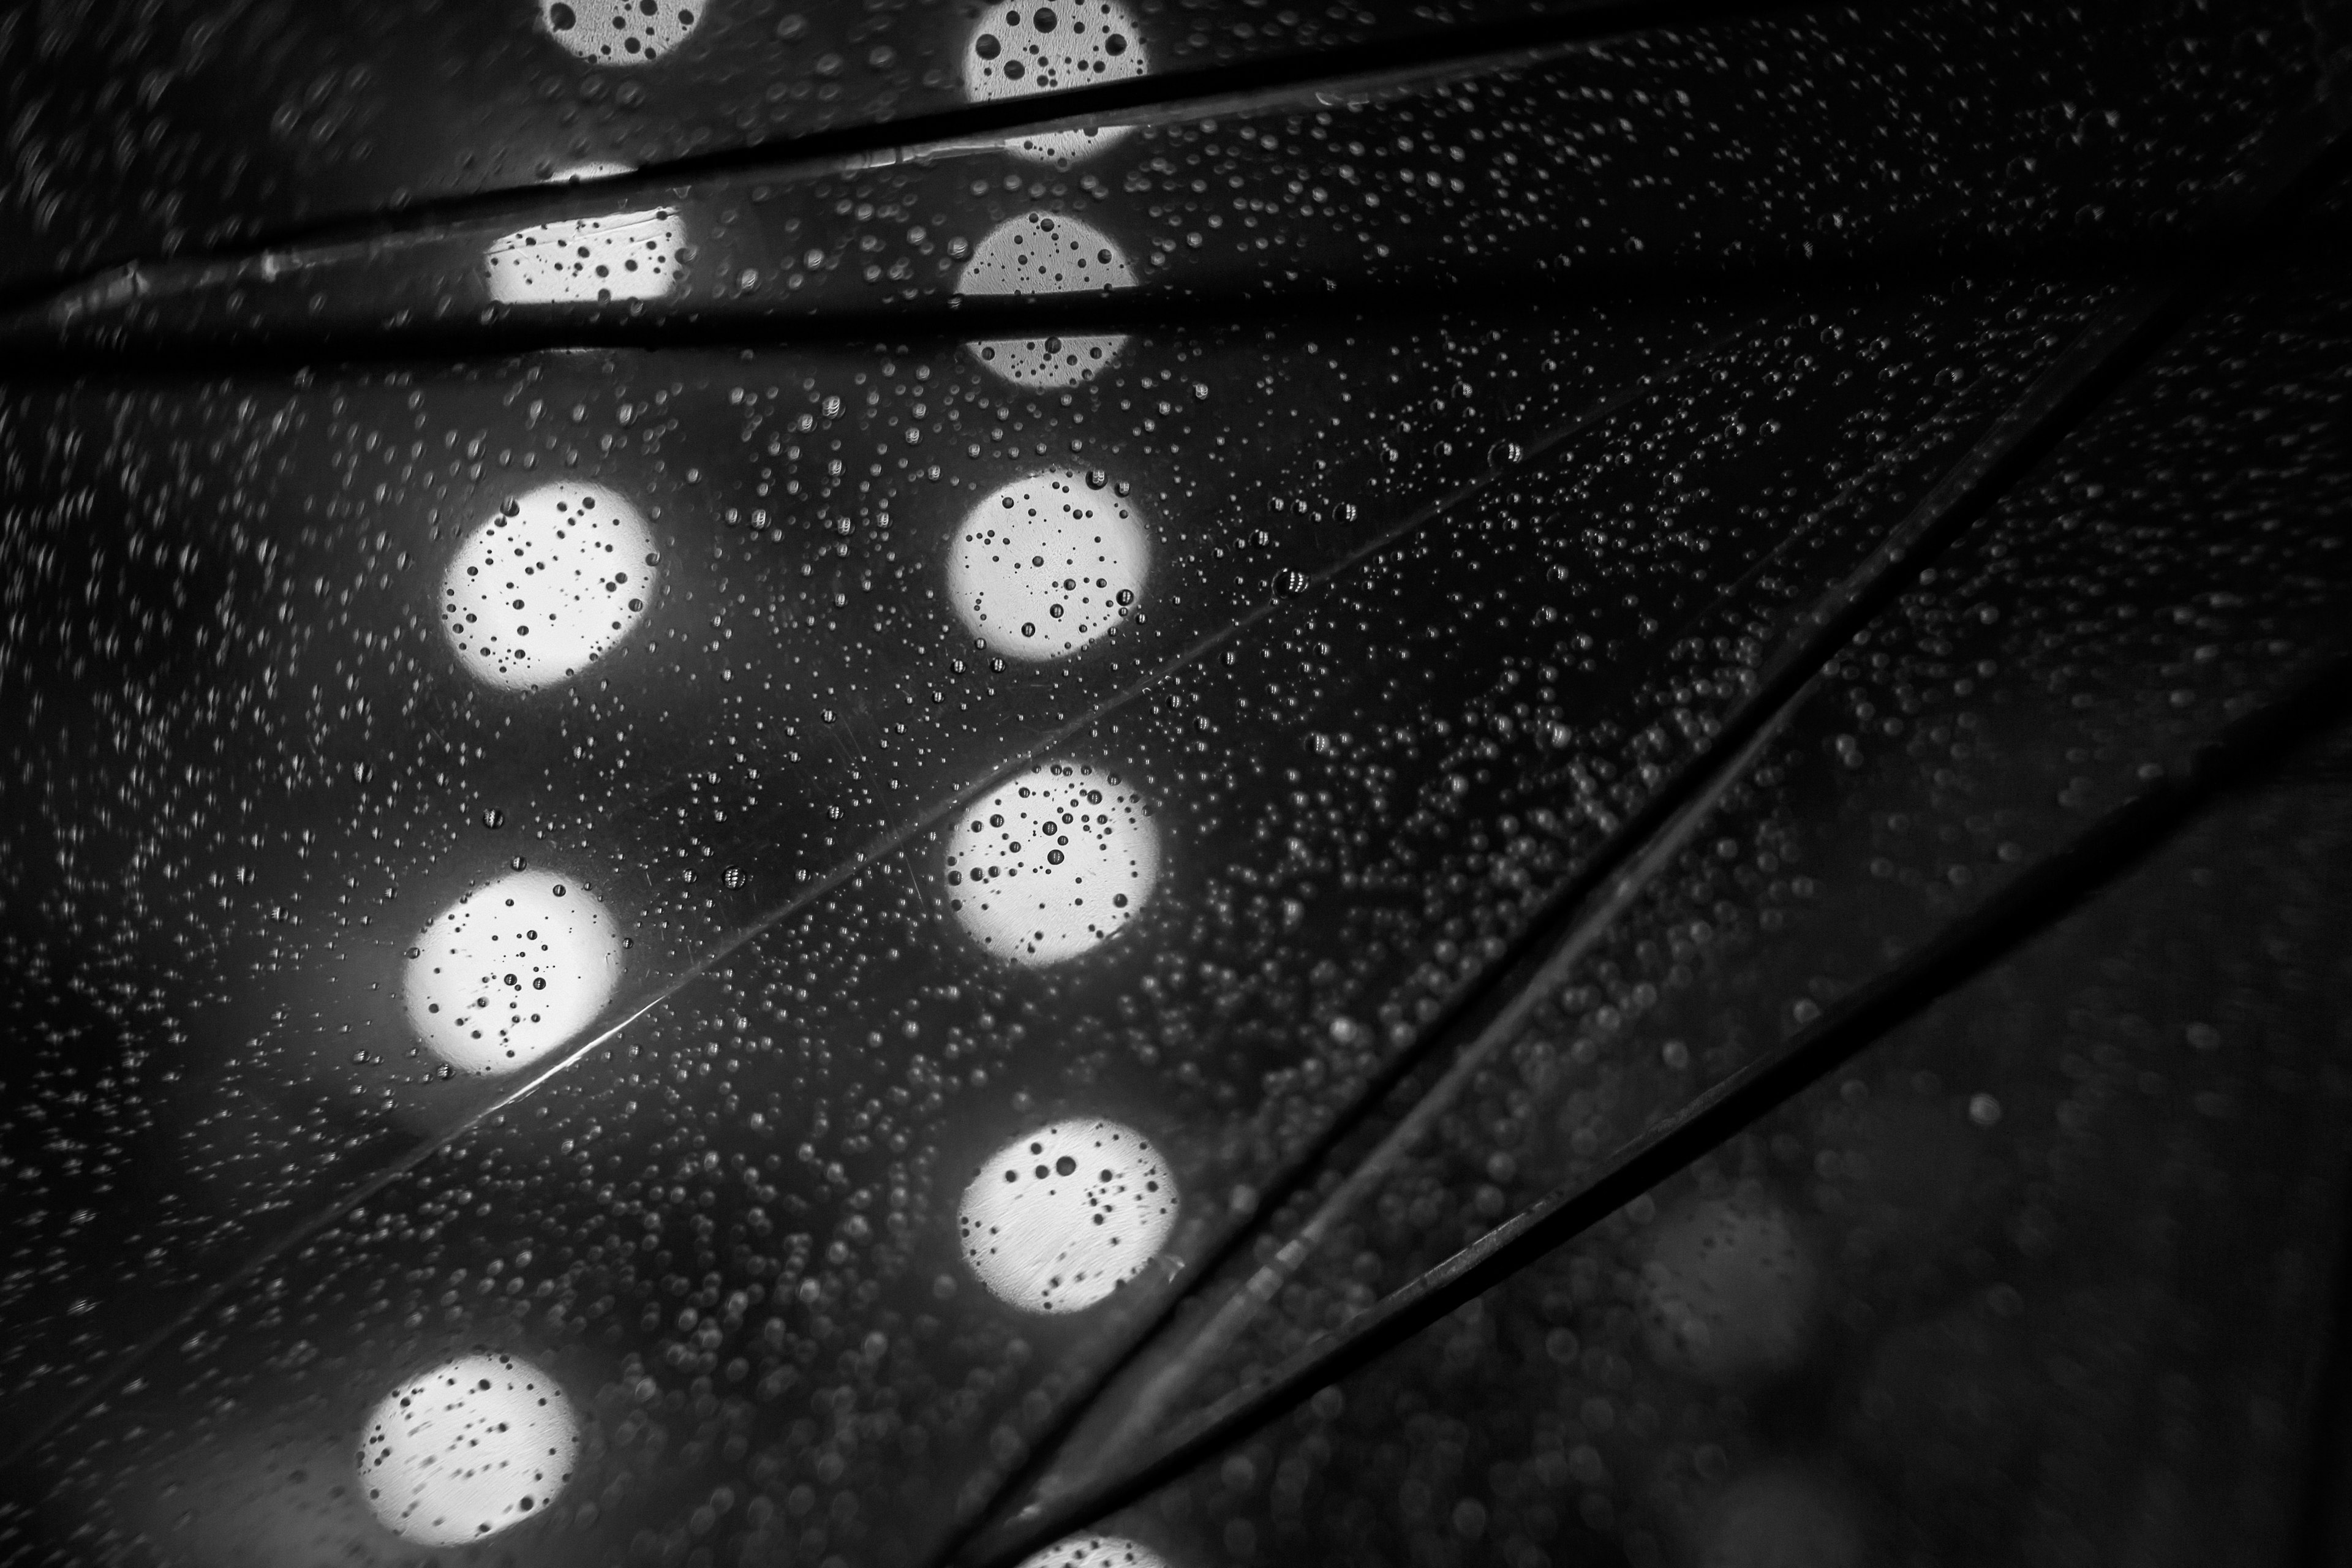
37 350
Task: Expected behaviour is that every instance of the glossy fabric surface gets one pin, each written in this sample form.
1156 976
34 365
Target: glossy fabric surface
749 858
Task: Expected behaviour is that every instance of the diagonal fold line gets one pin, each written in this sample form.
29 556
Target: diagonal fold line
2034 902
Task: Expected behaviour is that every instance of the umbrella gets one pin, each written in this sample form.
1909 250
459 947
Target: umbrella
1531 783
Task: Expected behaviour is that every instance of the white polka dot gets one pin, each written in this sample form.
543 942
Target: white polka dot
1059 1219
1096 1552
629 255
1052 863
620 32
1047 253
467 1450
512 970
1016 51
548 586
1048 564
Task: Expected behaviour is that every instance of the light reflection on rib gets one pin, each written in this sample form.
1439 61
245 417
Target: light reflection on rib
1056 1221
1016 51
1052 863
1047 253
1048 564
467 1450
548 586
512 970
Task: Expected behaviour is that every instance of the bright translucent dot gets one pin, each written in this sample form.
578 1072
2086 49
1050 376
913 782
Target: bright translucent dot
1048 564
626 256
1096 1552
1059 1219
1047 253
547 585
511 971
1728 1292
620 32
469 1449
1016 51
1053 863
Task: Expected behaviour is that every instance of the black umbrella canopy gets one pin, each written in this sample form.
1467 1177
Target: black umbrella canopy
1502 785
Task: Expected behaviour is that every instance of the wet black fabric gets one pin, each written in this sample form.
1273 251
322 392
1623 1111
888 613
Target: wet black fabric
737 837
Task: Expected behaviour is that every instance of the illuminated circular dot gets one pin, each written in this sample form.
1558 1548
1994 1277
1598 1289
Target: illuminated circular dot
1053 863
1096 1552
1047 253
1727 1294
511 971
548 586
1059 1219
1019 50
620 32
626 256
1048 564
467 1450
